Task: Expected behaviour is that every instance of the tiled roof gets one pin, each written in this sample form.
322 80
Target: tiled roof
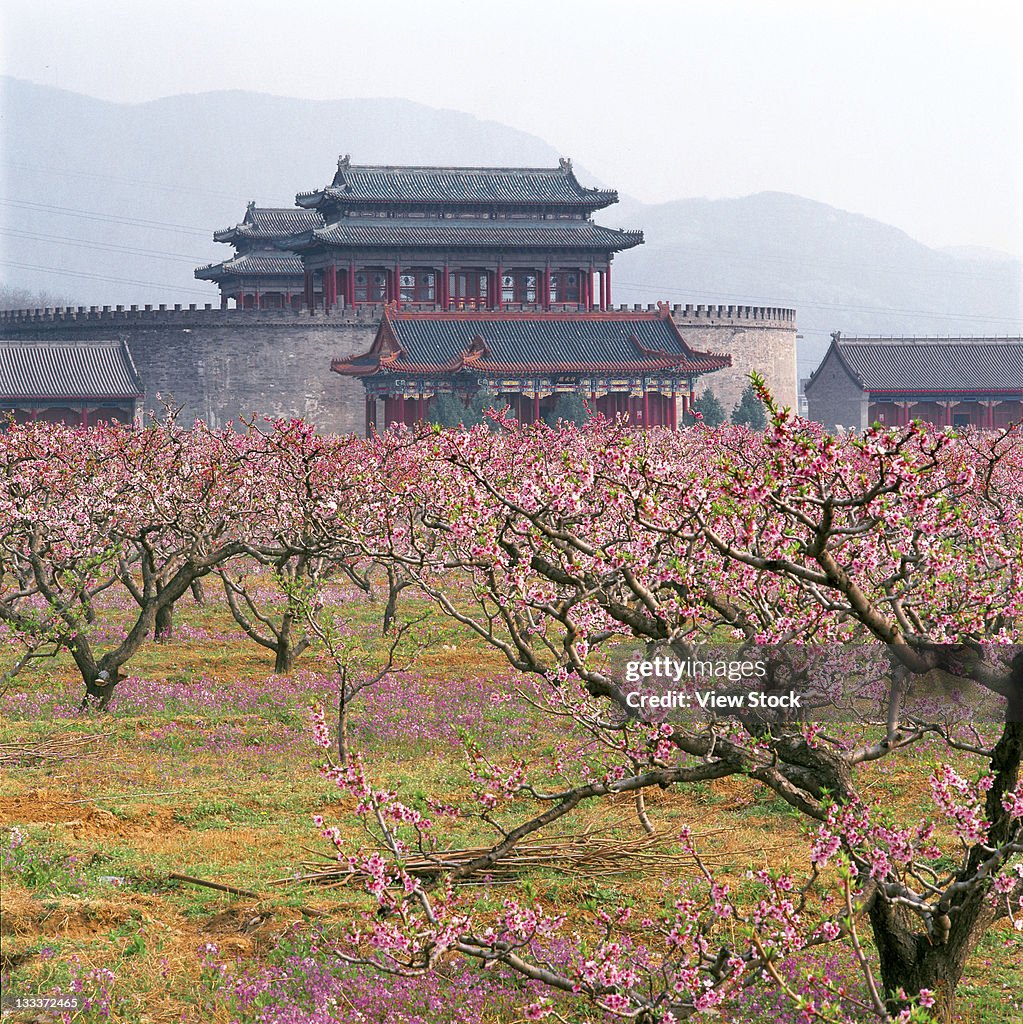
258 263
541 342
931 364
72 370
447 234
460 185
270 224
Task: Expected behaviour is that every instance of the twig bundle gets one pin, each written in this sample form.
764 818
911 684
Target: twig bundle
592 853
46 751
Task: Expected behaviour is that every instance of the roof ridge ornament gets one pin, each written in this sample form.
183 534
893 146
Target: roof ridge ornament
565 163
344 162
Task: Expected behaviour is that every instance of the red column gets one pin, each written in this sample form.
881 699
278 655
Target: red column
536 406
351 282
443 295
608 285
497 300
397 284
223 300
546 287
309 290
646 408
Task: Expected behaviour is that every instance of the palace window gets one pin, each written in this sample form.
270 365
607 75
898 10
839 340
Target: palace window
468 286
565 286
418 286
519 286
370 286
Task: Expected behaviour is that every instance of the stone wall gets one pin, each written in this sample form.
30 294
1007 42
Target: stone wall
834 398
220 365
761 338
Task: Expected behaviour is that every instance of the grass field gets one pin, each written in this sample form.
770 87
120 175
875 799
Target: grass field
205 766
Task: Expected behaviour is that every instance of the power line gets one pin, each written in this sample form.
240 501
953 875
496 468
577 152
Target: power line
84 244
96 215
104 277
661 289
815 261
125 181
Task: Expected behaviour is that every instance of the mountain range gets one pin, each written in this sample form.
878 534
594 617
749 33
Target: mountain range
106 203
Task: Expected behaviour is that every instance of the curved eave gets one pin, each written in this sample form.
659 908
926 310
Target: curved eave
360 367
9 398
218 271
460 237
589 203
589 200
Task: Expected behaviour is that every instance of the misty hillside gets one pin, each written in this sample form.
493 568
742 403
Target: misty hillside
107 203
841 271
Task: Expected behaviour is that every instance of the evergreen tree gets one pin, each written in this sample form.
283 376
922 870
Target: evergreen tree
458 409
568 407
710 408
749 411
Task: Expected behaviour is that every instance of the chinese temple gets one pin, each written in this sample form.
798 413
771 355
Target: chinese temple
458 238
262 275
633 363
71 381
949 382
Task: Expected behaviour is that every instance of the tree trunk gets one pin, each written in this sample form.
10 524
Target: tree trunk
98 688
912 961
342 730
163 625
198 592
284 654
393 590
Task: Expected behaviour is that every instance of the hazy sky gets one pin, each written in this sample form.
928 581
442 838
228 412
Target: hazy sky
910 112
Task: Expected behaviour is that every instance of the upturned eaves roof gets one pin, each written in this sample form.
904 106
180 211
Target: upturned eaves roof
965 365
253 264
452 235
270 224
519 186
67 370
496 342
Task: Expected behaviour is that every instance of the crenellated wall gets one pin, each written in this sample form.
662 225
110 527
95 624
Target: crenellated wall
761 338
220 365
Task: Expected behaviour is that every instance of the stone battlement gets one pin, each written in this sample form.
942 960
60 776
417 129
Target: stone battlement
777 316
366 312
181 314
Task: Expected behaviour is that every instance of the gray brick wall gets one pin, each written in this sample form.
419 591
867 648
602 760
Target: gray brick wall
834 398
220 365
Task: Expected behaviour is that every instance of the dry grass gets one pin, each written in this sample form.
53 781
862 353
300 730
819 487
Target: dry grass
150 798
